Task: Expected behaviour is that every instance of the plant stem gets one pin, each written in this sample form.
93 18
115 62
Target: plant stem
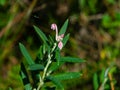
103 84
44 73
41 83
55 44
46 67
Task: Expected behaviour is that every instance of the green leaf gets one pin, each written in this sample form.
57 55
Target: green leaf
95 81
71 59
36 67
64 28
26 54
25 78
2 2
40 52
102 75
56 82
57 56
23 72
54 66
69 75
41 34
28 87
65 39
51 40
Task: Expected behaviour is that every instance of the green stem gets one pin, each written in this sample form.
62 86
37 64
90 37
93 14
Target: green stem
55 44
44 73
46 67
41 83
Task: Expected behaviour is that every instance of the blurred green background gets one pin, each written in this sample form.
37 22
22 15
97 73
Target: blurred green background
94 27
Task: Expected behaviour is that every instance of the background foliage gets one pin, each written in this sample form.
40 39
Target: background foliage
94 28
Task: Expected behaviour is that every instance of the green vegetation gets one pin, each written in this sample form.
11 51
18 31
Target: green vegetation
94 28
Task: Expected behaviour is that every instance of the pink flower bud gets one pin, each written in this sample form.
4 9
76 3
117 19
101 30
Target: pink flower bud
53 26
62 35
58 38
60 45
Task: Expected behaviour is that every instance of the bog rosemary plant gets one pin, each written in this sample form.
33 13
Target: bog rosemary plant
39 74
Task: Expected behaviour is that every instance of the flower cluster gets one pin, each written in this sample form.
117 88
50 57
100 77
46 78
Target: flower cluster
59 38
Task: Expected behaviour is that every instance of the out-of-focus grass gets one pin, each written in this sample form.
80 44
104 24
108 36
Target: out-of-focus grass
95 33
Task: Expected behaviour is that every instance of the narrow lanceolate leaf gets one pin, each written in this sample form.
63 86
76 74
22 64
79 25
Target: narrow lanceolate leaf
51 39
64 28
25 78
56 82
54 66
71 59
102 75
41 34
65 39
43 37
26 54
69 75
57 56
95 81
36 67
